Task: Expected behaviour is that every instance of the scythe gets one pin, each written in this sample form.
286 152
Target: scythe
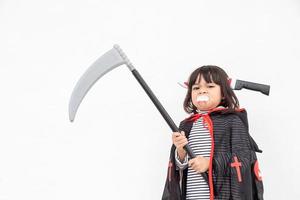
116 57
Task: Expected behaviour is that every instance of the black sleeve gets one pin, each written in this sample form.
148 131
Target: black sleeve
245 183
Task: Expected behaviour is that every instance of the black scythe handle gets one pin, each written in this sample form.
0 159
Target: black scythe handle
165 115
161 109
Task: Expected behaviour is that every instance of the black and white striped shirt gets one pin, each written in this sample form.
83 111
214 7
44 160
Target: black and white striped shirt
200 142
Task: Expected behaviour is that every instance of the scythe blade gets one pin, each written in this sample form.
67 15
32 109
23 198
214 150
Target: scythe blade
100 67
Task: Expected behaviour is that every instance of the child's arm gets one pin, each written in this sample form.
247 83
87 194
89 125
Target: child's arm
181 154
181 159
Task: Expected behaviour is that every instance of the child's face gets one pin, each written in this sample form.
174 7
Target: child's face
206 96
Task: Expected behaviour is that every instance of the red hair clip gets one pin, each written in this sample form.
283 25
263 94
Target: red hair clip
184 85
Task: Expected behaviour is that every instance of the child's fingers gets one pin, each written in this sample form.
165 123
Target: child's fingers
176 134
183 141
191 162
179 139
181 145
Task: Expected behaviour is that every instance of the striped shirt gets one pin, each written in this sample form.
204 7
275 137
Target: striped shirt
200 142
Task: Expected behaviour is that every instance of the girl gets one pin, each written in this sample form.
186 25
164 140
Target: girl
226 166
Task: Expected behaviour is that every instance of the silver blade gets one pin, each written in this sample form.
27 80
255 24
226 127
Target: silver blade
100 67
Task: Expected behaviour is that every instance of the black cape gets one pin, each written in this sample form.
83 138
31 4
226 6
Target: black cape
231 145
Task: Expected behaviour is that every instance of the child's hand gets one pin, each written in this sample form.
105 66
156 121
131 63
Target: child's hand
179 140
199 164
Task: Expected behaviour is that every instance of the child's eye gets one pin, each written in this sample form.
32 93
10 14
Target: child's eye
195 88
211 86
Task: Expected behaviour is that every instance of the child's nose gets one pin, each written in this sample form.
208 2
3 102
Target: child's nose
203 91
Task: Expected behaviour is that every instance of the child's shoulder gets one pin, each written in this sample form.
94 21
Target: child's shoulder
237 115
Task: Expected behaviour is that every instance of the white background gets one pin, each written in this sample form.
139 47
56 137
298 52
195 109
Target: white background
118 146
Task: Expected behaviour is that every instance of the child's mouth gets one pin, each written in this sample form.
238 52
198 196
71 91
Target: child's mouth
202 98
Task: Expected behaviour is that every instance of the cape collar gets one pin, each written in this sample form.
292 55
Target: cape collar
194 117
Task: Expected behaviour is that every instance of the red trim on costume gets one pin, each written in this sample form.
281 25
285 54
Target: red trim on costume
257 171
217 109
207 123
210 169
195 117
240 109
170 170
237 166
